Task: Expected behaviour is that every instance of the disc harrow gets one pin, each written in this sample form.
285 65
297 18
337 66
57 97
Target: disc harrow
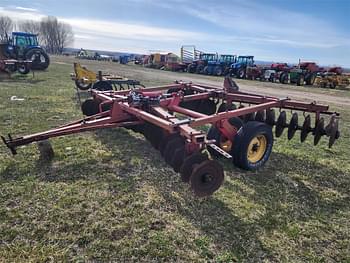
172 117
86 79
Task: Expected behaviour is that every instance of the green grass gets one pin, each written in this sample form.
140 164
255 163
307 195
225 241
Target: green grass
109 196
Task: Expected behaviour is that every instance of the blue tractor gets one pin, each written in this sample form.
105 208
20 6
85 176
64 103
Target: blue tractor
25 46
221 66
239 68
198 65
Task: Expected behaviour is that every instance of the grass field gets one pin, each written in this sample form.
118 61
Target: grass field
109 196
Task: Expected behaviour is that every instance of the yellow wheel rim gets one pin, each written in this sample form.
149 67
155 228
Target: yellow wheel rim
257 148
226 145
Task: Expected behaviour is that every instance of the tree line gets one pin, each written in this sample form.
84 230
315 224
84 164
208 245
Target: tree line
53 35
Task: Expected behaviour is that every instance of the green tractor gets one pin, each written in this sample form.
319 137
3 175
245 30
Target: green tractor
304 73
25 46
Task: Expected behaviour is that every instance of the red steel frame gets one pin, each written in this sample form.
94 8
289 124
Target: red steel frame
122 114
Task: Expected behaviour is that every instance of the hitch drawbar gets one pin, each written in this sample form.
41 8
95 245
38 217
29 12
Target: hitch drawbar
240 126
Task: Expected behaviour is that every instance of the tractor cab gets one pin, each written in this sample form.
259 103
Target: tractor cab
220 66
239 67
208 57
245 61
19 42
25 46
227 59
21 39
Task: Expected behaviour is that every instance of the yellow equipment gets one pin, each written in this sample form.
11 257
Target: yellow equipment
86 79
332 80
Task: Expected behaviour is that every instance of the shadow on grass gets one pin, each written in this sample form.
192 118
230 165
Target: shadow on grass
273 188
282 182
210 215
25 79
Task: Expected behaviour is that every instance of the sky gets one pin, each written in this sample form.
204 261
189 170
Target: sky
271 30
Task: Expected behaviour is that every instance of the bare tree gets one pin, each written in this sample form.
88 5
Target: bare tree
29 26
55 35
65 36
6 26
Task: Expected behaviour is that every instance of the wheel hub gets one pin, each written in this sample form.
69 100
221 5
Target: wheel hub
257 148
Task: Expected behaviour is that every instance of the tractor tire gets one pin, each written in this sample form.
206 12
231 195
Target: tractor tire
199 69
241 74
284 78
190 68
310 79
102 85
300 80
218 71
206 71
215 134
40 59
252 145
23 68
82 86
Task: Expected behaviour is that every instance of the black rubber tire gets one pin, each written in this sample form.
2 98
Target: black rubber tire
284 78
199 69
90 107
218 71
23 68
206 71
242 141
81 85
241 73
310 80
36 64
190 68
102 85
300 80
206 178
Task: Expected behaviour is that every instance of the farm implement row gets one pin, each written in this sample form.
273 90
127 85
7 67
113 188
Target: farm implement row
172 118
86 79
